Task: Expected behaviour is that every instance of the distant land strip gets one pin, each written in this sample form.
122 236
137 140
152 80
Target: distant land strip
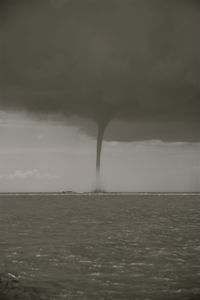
69 193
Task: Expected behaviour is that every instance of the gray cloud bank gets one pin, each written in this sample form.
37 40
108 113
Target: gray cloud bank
132 60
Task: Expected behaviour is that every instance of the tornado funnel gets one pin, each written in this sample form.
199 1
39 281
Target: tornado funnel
100 134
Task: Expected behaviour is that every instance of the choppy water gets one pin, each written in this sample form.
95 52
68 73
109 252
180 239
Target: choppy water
140 247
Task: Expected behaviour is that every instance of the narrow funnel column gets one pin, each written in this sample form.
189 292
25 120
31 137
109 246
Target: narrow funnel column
101 130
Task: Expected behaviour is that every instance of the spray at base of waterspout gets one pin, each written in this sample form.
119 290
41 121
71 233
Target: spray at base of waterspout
98 186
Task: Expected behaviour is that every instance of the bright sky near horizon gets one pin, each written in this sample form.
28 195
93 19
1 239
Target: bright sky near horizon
39 155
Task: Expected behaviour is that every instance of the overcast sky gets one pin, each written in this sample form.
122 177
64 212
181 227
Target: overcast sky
69 67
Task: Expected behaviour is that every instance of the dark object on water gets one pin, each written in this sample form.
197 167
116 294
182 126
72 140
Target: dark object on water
11 288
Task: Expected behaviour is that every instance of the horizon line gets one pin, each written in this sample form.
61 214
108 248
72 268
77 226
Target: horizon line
98 192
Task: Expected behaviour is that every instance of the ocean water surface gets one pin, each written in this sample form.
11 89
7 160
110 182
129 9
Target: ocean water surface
88 247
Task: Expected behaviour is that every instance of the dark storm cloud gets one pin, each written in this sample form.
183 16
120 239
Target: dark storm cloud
133 60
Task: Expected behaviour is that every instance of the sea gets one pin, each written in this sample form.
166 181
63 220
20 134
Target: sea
103 246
